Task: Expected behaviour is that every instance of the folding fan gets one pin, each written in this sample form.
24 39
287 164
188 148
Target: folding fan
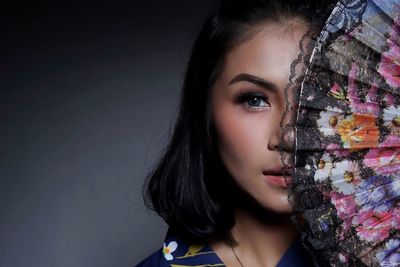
346 180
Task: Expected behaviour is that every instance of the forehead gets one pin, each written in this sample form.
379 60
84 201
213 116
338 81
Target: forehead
268 54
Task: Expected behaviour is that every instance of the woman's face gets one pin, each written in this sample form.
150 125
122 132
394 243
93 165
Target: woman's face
247 106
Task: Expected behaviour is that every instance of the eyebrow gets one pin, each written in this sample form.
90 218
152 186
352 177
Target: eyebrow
256 80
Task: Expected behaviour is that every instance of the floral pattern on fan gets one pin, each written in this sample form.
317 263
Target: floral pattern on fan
348 138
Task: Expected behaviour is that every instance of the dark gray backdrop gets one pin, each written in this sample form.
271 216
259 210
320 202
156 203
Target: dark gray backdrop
87 95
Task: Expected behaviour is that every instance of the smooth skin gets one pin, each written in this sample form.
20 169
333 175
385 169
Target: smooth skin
247 106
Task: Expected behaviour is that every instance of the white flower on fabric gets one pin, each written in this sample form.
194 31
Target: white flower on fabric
167 250
334 109
345 177
391 116
324 168
343 257
328 121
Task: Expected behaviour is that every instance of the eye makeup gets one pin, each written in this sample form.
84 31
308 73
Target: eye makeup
253 100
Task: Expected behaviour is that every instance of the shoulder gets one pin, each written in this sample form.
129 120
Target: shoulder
175 252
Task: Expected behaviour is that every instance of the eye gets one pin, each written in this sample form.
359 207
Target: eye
253 100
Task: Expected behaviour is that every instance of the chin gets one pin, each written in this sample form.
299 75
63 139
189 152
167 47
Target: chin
275 206
283 208
280 205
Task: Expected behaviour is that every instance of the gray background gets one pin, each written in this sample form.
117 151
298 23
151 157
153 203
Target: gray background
87 96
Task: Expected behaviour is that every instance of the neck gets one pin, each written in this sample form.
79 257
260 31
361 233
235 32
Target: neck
260 241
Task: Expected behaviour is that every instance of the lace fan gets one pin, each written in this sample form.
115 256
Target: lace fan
346 183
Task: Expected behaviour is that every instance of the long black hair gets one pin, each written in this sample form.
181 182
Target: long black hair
190 187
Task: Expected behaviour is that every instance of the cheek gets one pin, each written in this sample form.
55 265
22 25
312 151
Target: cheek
241 136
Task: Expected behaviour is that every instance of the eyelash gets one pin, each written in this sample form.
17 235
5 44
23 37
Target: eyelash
246 97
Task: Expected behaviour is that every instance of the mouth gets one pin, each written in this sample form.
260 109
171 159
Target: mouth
278 178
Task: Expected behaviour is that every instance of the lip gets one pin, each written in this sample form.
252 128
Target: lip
278 170
278 180
278 177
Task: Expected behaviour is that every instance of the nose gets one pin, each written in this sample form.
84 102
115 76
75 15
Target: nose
275 138
282 140
282 137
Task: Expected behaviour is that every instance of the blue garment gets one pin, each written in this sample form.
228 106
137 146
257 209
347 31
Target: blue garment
176 253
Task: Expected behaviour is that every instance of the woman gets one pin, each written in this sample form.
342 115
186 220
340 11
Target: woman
220 185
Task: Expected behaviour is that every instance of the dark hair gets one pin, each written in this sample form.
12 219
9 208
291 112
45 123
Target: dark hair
190 188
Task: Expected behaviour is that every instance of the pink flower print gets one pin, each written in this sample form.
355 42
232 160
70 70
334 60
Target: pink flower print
396 219
389 67
346 208
394 34
385 160
373 226
389 99
337 151
390 141
370 106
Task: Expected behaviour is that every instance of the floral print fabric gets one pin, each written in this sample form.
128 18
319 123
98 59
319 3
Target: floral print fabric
177 253
347 150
